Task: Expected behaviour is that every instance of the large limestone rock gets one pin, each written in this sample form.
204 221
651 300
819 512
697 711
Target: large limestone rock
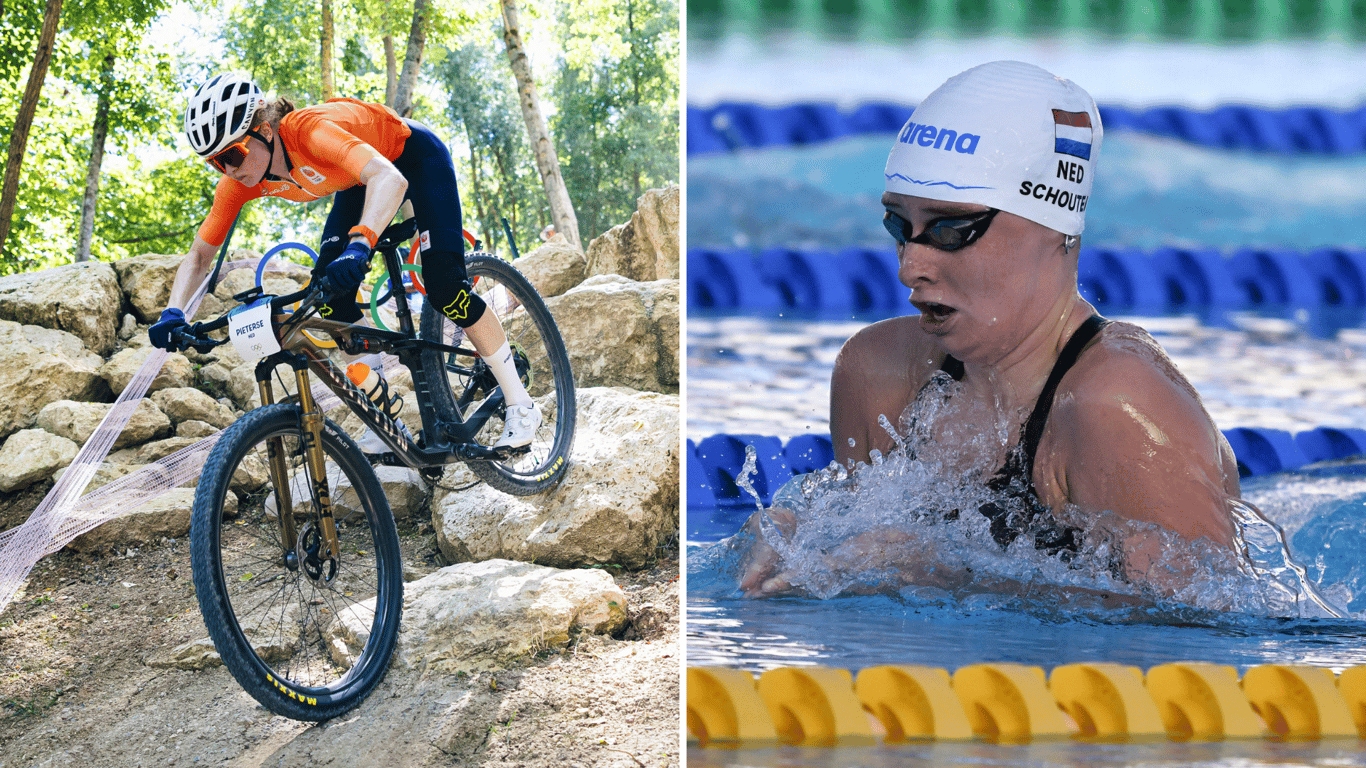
554 268
187 403
177 371
477 615
30 455
646 247
618 502
146 281
166 516
77 421
620 333
39 366
82 299
403 488
276 283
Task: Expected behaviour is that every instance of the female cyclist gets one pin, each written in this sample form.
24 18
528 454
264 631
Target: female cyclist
369 160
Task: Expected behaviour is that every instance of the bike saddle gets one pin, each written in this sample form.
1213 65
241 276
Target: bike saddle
395 234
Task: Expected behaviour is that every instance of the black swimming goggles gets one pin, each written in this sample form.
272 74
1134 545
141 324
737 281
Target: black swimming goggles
947 233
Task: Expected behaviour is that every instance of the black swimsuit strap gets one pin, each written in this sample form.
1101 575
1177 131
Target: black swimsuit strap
1033 428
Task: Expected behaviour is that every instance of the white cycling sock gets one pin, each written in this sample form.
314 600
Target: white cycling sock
506 372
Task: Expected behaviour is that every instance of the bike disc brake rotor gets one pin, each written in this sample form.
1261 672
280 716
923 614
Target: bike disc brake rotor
310 547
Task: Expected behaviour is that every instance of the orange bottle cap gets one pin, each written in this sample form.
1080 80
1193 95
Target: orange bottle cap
357 373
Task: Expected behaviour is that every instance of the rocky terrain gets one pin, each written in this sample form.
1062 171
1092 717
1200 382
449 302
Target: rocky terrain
536 631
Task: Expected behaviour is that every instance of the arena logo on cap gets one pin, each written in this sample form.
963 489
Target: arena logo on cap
939 138
1072 133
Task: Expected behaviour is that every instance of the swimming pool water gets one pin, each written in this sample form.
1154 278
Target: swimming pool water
769 375
1148 192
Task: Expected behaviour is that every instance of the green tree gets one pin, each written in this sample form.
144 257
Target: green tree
616 93
496 175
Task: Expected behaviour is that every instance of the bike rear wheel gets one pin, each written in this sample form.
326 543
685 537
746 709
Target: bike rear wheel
541 360
308 638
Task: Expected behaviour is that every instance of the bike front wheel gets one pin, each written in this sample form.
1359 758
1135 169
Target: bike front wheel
308 635
541 361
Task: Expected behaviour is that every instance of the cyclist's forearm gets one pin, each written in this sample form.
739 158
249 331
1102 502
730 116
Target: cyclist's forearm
384 191
191 273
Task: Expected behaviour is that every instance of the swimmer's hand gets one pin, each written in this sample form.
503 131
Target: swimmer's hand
879 549
758 575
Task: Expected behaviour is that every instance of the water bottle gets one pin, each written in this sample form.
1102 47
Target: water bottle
375 387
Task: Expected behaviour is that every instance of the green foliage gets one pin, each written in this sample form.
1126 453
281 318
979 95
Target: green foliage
497 173
611 97
616 126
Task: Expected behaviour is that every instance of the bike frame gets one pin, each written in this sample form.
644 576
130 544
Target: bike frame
443 442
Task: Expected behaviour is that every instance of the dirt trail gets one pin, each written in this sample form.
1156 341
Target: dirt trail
75 688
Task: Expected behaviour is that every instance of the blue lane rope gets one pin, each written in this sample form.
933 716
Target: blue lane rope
864 281
729 126
715 463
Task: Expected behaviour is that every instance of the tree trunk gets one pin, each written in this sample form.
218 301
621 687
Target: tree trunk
390 71
547 162
92 173
412 60
635 83
325 52
9 191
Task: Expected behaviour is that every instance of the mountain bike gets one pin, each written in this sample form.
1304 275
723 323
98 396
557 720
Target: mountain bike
300 580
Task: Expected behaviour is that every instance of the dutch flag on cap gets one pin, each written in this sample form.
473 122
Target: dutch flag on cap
1072 133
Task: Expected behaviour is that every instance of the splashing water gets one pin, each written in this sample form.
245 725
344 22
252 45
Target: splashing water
750 468
902 525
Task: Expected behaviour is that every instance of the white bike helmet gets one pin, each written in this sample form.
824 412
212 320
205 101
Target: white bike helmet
220 112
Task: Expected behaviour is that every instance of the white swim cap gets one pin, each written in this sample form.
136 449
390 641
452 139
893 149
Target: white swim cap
1008 135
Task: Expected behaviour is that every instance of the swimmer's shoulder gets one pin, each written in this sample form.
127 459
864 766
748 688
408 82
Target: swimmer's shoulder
1125 381
877 373
894 351
1125 364
1125 421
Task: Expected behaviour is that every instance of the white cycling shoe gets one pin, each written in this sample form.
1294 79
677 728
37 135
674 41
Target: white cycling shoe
519 426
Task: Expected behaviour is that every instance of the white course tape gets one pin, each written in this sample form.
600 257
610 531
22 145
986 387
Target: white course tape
65 514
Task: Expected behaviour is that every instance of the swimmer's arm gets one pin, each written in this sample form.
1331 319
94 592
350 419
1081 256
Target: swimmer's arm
877 373
1133 440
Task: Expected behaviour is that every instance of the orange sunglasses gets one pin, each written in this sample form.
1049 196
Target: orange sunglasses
235 153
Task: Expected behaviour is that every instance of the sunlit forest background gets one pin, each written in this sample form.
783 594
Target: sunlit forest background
101 131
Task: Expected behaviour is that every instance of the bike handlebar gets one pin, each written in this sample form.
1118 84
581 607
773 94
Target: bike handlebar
193 336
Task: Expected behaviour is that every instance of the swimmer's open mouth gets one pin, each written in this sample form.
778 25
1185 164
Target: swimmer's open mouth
932 311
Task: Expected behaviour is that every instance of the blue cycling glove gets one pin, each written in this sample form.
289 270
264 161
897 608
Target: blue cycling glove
347 271
161 330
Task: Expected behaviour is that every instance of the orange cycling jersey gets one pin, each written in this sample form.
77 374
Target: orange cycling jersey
328 145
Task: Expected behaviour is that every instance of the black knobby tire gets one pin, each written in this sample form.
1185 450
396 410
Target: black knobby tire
532 333
308 642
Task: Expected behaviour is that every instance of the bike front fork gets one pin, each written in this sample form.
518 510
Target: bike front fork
321 549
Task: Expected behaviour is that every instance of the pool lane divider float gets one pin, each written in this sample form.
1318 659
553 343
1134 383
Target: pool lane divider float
716 464
730 126
864 281
1019 704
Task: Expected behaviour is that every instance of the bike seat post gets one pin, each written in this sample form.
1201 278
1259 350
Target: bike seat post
393 267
